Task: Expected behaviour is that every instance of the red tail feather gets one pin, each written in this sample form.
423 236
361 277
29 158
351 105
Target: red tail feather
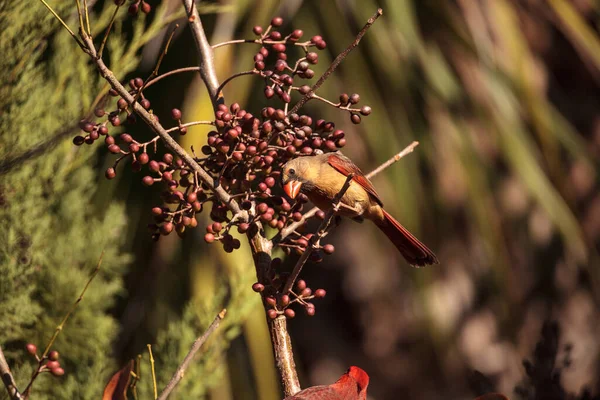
415 252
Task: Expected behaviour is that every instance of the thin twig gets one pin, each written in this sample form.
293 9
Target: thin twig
110 25
336 62
310 213
60 327
176 128
63 24
407 150
259 41
190 355
173 72
8 379
232 77
138 363
87 17
314 240
158 63
153 372
80 14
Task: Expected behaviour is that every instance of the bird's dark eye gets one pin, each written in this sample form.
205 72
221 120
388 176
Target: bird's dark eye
291 171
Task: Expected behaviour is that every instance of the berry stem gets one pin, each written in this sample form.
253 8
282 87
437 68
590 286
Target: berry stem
338 60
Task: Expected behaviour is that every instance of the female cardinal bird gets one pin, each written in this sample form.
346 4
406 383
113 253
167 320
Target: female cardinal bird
322 177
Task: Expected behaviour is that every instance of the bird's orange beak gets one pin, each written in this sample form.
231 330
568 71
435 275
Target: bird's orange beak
292 188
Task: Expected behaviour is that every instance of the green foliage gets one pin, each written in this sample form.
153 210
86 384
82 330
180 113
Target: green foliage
53 233
56 224
174 343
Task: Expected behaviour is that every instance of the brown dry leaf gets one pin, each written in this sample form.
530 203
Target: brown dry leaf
116 388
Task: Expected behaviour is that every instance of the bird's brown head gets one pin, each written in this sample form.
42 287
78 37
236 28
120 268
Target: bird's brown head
297 175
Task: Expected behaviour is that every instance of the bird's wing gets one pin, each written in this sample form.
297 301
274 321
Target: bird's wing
346 167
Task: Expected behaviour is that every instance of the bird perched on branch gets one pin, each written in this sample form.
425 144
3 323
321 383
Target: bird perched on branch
322 177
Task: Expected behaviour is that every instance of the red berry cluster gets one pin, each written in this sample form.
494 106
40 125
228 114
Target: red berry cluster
279 303
47 363
91 130
247 153
280 76
244 154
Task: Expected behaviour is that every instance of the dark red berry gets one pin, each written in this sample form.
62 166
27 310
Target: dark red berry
321 44
31 348
310 309
258 287
143 158
133 9
148 180
243 227
297 34
301 284
154 166
166 228
146 8
328 249
53 355
176 114
279 47
52 364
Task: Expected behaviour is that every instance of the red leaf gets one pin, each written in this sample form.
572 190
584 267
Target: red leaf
351 386
116 388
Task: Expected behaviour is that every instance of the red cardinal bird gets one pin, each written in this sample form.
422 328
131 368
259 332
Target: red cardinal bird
322 177
351 386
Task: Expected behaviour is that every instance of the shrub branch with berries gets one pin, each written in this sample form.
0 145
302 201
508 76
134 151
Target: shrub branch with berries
234 178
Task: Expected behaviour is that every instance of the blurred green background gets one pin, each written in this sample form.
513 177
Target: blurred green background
503 97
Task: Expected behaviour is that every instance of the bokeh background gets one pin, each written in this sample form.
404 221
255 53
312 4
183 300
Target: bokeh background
502 96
